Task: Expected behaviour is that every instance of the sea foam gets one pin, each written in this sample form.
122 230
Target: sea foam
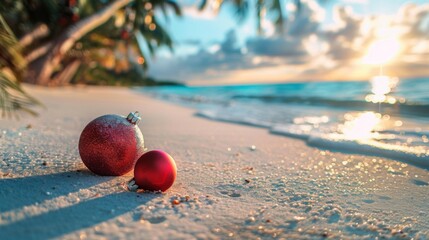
340 116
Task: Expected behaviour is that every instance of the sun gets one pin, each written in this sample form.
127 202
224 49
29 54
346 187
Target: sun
382 51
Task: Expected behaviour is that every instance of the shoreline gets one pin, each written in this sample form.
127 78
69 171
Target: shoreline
331 141
282 188
311 80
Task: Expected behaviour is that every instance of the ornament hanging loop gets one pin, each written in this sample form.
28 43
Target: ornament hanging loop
134 117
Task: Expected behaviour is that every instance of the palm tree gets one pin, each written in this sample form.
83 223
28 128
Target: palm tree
52 28
140 26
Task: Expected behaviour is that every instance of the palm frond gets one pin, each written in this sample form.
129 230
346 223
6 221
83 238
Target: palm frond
276 8
175 6
52 9
260 5
139 40
43 11
262 8
164 4
241 9
298 5
153 34
203 5
10 52
12 97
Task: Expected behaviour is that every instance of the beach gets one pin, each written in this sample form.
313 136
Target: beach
233 181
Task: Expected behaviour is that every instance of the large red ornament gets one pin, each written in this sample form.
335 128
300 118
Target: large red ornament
111 144
155 170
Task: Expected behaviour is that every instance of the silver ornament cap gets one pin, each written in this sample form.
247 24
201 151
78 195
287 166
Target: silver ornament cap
134 117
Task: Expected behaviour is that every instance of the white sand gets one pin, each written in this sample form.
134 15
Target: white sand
292 190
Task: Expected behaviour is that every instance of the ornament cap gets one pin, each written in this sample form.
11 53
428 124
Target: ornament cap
134 117
132 186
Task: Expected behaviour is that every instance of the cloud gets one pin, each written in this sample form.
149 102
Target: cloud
355 35
290 42
348 37
307 20
277 46
261 52
219 58
307 48
230 46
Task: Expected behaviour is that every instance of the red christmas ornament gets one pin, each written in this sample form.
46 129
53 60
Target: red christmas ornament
155 170
111 144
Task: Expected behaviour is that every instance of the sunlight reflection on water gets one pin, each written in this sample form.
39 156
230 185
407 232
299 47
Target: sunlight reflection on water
381 86
378 117
365 124
360 127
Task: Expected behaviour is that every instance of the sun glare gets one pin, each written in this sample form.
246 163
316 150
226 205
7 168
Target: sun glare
361 127
382 51
381 86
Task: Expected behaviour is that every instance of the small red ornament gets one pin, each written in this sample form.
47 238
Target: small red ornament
111 144
155 170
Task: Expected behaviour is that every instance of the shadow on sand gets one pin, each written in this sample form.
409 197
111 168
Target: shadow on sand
18 192
62 221
66 220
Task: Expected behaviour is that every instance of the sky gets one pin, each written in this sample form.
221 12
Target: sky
328 40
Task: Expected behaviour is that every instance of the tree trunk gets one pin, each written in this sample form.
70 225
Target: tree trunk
38 32
38 52
66 74
41 70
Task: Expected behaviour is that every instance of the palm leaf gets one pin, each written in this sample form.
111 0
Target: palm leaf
175 6
43 11
10 52
276 7
139 39
298 5
203 5
52 8
242 9
260 5
262 8
12 96
159 35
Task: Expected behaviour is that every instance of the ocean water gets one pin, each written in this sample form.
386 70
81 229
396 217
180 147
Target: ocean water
384 117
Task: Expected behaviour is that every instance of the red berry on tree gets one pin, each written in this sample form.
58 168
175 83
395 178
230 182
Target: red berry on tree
125 34
72 3
75 17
